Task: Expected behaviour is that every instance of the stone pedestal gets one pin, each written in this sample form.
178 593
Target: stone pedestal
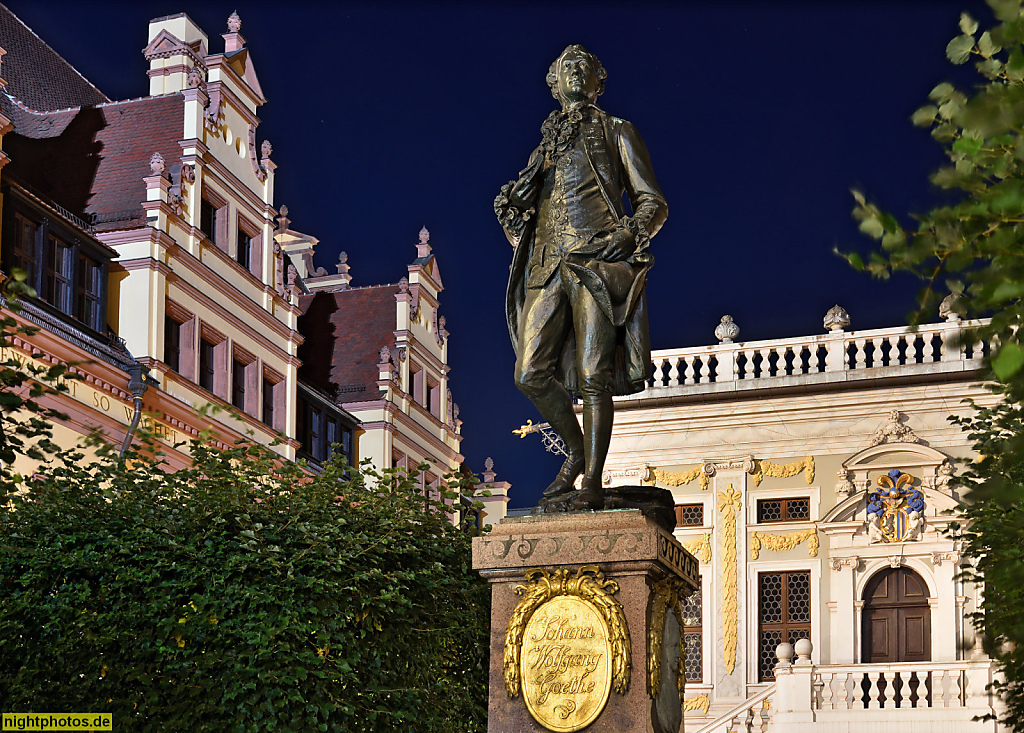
648 566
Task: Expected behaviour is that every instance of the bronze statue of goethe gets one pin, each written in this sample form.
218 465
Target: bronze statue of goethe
575 304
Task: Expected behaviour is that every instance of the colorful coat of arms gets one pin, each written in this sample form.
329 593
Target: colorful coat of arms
895 509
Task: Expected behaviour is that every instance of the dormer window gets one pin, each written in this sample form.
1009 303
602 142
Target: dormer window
64 265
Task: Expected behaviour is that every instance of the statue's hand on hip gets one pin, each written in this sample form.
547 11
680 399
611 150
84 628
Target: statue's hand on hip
618 245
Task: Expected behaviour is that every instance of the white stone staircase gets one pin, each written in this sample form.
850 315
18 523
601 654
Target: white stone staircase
753 715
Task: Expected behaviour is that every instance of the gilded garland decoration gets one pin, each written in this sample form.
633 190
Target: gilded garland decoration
681 478
588 585
784 470
666 596
782 542
698 702
728 504
700 547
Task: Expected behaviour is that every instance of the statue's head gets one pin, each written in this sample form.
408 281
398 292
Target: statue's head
576 76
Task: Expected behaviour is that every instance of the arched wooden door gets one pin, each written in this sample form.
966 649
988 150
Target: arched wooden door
896 624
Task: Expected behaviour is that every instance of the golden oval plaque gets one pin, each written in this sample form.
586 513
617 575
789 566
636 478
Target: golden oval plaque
566 664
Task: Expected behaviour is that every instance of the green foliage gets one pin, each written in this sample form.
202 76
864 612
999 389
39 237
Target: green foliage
25 422
239 594
993 538
974 248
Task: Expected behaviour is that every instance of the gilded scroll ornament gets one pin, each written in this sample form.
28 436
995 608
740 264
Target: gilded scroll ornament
699 702
589 595
728 504
681 478
666 595
784 470
699 547
782 542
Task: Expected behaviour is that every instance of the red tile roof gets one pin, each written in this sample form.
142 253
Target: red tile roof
344 333
92 161
36 74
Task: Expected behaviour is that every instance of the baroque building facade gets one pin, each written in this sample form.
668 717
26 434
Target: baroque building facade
814 479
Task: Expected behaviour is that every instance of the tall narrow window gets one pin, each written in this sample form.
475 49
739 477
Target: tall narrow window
60 267
90 293
693 636
208 219
25 242
207 351
332 436
172 343
238 384
243 254
785 611
268 401
316 433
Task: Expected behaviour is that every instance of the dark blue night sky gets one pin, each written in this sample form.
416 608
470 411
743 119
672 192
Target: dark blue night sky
759 117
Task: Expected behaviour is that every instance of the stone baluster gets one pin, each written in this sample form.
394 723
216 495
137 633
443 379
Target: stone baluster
827 693
704 375
874 692
861 353
939 685
690 369
673 373
659 372
902 693
844 691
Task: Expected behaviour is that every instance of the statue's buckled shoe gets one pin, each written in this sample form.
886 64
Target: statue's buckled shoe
567 474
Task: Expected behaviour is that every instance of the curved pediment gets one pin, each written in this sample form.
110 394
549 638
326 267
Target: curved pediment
895 455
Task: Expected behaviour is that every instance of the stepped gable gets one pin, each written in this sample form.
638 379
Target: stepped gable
94 164
36 74
344 332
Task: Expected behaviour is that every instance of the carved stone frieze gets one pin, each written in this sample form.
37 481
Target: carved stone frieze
947 556
838 563
894 431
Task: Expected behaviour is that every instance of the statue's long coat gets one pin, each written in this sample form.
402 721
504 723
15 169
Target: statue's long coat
622 166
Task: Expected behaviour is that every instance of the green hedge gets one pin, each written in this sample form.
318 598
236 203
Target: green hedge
239 595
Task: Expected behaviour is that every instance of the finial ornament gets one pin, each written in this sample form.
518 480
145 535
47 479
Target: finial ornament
727 331
837 318
424 235
952 308
266 149
403 285
234 22
488 464
156 164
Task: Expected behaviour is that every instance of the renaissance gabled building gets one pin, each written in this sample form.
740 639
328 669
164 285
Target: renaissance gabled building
169 281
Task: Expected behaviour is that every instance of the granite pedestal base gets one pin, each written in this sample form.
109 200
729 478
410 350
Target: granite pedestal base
626 547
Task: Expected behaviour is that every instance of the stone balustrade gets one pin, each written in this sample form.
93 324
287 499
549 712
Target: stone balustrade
948 696
835 356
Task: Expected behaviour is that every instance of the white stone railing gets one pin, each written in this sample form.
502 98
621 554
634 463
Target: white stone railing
904 685
949 696
834 356
749 716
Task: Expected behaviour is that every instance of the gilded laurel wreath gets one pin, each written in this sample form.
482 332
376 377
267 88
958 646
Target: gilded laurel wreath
589 585
668 593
